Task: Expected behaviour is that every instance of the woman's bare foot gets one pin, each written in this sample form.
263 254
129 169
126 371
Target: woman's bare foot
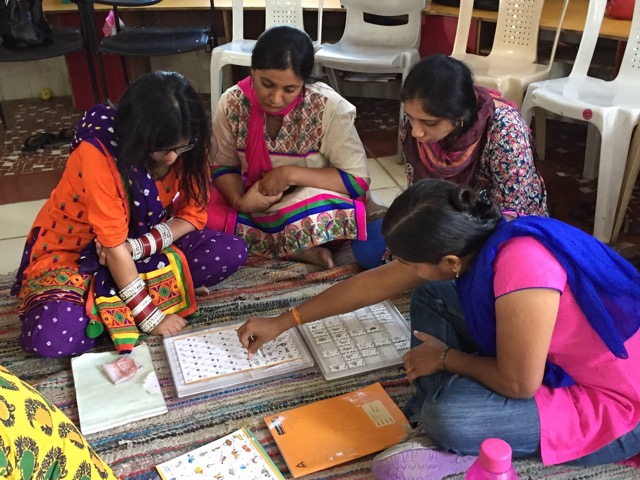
316 256
202 291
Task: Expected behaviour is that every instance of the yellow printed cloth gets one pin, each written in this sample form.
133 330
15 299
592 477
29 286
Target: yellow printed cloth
37 440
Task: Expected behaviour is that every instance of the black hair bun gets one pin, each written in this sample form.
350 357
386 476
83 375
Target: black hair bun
477 204
483 202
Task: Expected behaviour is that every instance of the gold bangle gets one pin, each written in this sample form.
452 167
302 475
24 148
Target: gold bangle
443 355
296 315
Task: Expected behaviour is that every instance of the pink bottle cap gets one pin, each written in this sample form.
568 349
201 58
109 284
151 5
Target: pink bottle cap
495 455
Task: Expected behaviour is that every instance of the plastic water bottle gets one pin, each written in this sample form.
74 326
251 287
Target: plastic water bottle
493 463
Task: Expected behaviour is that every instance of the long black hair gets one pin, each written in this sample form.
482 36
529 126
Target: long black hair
155 113
283 47
444 88
434 218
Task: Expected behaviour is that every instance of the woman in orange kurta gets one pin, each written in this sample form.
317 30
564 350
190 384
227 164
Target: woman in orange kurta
121 242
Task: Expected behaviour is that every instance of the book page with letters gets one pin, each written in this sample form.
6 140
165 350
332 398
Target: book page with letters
336 430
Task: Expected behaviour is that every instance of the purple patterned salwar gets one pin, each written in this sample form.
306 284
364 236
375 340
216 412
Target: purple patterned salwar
57 328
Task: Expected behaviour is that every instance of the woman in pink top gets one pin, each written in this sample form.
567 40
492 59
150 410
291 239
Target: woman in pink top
545 352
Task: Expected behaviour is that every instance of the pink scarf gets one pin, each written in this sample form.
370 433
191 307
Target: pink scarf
457 162
257 152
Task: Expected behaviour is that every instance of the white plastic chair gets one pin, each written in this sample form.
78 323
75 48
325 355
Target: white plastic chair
238 51
372 48
613 107
510 66
630 178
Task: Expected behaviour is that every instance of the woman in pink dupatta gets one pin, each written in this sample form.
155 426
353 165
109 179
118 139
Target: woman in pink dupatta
468 135
289 171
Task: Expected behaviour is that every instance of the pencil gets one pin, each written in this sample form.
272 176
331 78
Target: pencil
252 339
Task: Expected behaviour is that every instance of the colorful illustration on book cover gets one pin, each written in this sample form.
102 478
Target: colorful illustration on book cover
237 456
215 353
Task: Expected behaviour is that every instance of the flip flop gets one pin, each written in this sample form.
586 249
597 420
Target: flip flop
37 141
63 137
415 462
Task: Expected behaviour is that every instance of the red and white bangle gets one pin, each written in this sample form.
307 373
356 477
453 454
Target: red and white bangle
159 238
132 290
143 303
152 321
149 243
137 251
146 315
165 234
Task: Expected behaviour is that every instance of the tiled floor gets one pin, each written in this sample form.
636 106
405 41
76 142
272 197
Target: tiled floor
25 180
388 181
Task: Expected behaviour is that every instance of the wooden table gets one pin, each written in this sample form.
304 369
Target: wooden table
56 6
573 21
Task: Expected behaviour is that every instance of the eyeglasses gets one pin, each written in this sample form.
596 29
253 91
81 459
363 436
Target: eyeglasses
178 150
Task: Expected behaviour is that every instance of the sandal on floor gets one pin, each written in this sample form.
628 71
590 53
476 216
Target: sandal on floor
63 137
37 141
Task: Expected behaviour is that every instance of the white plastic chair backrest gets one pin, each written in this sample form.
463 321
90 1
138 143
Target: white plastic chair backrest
589 38
630 66
289 12
237 14
369 35
517 29
465 15
284 12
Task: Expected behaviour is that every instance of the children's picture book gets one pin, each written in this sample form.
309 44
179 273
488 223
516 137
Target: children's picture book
103 404
336 430
237 456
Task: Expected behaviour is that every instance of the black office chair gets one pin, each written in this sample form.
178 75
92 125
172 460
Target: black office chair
143 41
65 40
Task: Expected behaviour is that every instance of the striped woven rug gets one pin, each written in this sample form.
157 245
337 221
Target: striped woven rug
261 288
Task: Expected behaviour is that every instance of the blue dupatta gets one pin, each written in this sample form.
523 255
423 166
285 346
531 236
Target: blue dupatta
605 286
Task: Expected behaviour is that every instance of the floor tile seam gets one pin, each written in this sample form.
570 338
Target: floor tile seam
15 238
390 175
396 184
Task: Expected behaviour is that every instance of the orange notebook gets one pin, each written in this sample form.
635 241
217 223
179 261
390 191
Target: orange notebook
333 431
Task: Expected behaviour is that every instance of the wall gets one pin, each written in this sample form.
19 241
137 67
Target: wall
26 79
